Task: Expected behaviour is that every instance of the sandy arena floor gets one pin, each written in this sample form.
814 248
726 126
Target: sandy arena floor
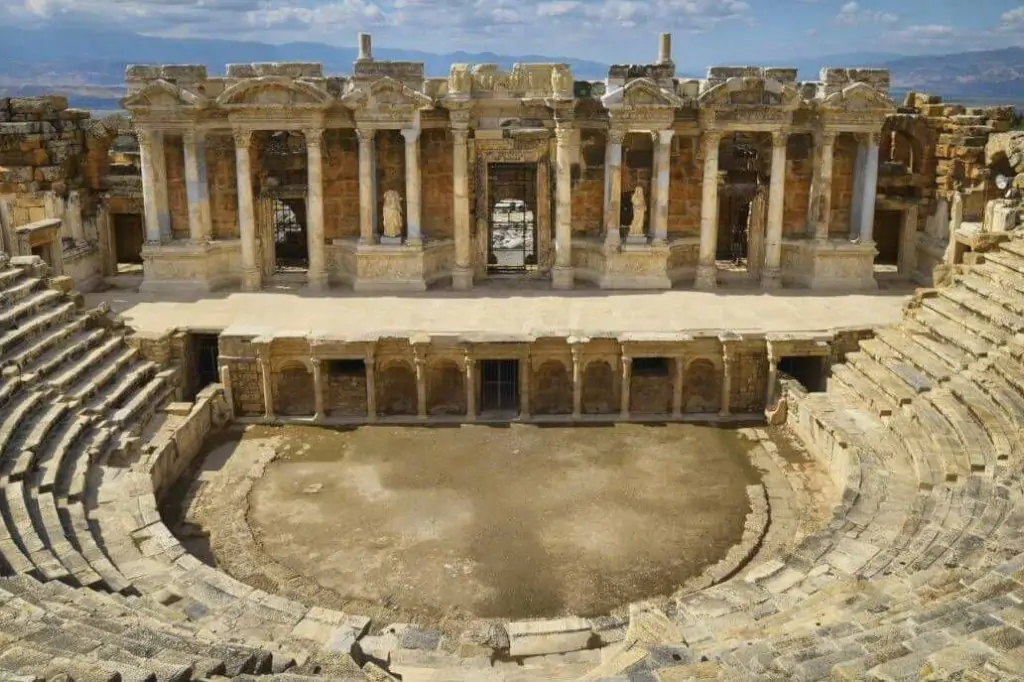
436 525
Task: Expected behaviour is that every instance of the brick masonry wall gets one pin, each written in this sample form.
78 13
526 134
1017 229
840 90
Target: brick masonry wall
390 171
799 174
436 176
246 388
177 199
749 382
446 391
346 395
42 145
650 394
685 178
552 389
341 184
293 392
588 186
844 159
220 164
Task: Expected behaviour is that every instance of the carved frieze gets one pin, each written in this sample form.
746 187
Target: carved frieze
522 80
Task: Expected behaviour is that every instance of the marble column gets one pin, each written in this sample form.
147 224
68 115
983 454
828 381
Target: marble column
577 382
726 383
315 209
197 192
662 174
627 376
462 273
707 277
613 187
677 387
561 274
470 388
318 389
421 384
251 276
524 388
858 187
367 186
771 277
413 188
869 188
821 188
154 186
370 365
266 383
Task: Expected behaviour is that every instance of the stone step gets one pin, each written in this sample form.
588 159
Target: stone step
990 311
967 319
947 331
30 447
29 306
149 398
12 338
71 477
20 290
884 380
1010 299
55 457
953 357
80 534
23 659
10 276
1006 280
1003 394
52 533
946 446
46 562
74 347
1012 263
901 345
96 381
51 339
990 417
861 389
975 442
131 378
86 363
15 416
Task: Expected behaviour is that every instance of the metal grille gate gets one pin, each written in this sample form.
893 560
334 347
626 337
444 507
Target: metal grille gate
499 385
290 247
513 217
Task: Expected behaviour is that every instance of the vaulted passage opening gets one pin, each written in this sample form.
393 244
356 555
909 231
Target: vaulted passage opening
346 388
205 351
129 235
512 231
291 247
810 371
499 385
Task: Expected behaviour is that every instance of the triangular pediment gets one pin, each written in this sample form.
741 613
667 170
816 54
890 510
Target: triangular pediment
641 92
859 97
745 91
272 91
161 94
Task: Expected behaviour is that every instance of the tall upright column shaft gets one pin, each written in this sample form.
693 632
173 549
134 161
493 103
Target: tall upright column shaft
869 188
413 187
577 381
771 277
726 410
624 391
367 182
858 187
370 365
677 386
421 384
154 186
613 187
315 209
821 195
266 382
462 273
561 275
251 276
197 192
662 176
318 390
706 275
470 388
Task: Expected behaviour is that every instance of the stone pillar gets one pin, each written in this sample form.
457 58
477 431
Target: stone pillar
577 381
627 375
821 189
413 187
251 276
318 390
462 273
370 365
365 48
524 388
367 185
908 241
197 191
561 274
726 382
869 188
154 186
707 278
665 48
229 394
73 217
315 209
266 382
470 388
858 187
677 388
771 278
613 187
773 377
662 168
421 383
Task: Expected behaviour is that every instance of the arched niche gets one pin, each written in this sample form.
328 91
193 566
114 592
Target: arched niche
599 396
701 387
552 388
446 389
293 391
396 390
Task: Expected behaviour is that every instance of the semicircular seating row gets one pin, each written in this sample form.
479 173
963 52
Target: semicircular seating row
919 575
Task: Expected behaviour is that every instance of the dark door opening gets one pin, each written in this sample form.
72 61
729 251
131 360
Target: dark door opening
129 236
734 222
499 385
205 354
887 236
291 248
512 241
808 370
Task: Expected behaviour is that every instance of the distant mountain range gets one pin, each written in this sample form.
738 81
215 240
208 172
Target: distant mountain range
88 66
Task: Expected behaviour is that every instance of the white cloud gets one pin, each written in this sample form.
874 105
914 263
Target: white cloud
852 14
923 35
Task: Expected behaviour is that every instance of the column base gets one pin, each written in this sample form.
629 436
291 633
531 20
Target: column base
251 280
707 277
414 242
317 281
562 277
462 278
771 279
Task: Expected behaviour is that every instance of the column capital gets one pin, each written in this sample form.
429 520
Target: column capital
779 139
411 135
870 138
370 356
712 138
563 133
317 362
314 136
663 136
147 137
825 137
242 137
616 135
192 136
365 135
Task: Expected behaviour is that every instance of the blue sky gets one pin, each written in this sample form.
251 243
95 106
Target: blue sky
704 31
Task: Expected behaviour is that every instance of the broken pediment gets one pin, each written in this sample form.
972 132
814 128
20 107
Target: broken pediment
641 92
272 91
387 93
859 97
747 91
161 94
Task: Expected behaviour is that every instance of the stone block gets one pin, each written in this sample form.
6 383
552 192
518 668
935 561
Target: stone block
48 104
183 73
540 637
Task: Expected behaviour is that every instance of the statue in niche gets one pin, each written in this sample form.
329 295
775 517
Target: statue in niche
636 227
392 214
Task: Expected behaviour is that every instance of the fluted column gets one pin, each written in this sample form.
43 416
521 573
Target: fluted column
613 187
706 275
820 211
577 381
677 387
370 365
315 209
154 186
627 376
771 276
726 382
318 389
266 382
662 175
421 383
462 273
367 184
251 276
869 188
561 275
470 388
197 192
413 187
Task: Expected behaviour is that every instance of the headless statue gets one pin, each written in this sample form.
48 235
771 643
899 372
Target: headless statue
392 214
636 227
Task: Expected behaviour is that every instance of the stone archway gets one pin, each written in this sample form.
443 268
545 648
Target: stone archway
701 388
552 389
599 389
446 389
396 390
293 394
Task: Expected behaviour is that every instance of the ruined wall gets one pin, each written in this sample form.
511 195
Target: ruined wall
844 160
177 199
588 185
637 166
799 174
436 174
749 370
222 174
247 388
390 147
346 394
686 177
341 184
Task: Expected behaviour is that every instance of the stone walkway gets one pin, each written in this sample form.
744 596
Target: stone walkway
502 314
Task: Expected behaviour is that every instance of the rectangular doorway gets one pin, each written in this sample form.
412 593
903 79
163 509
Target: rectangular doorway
129 235
205 356
499 386
291 247
512 217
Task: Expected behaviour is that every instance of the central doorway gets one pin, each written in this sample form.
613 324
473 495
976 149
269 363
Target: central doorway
512 217
291 248
499 385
